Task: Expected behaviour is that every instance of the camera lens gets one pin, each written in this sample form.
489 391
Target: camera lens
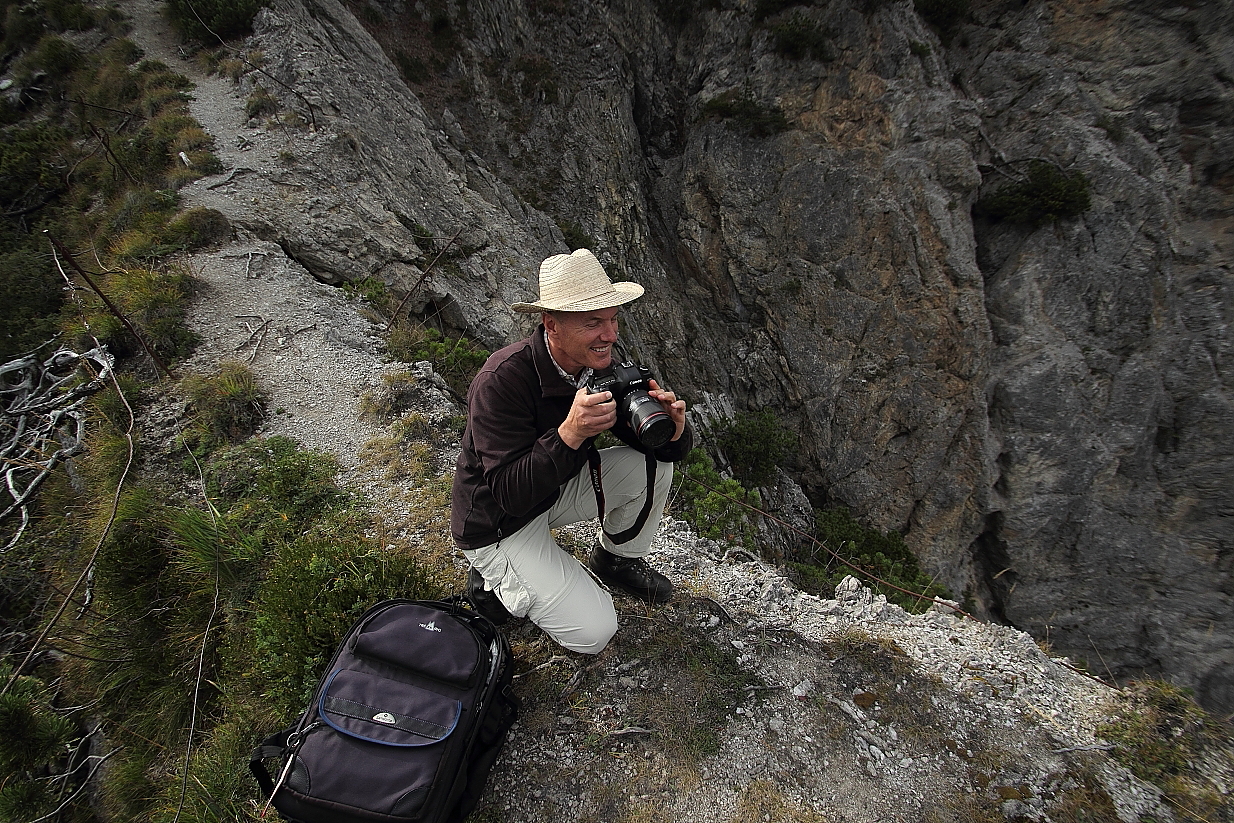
652 425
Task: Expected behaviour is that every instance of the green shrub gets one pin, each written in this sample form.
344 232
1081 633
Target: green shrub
768 8
271 485
756 120
1045 195
23 25
29 156
69 14
873 553
341 575
226 406
54 56
261 103
31 292
800 37
208 21
155 303
456 359
945 15
755 444
575 237
197 228
32 733
413 69
1164 738
712 505
371 290
34 746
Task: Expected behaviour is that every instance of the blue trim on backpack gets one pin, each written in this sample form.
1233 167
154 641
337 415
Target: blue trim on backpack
321 712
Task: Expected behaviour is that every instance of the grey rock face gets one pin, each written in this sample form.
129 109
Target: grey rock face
1044 412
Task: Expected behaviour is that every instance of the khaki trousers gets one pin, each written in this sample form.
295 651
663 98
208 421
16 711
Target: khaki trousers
536 578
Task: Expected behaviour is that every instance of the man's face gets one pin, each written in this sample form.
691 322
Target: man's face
582 339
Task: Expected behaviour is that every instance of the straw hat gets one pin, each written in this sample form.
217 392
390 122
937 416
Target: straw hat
577 282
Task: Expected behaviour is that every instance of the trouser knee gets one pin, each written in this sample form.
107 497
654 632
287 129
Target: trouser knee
591 637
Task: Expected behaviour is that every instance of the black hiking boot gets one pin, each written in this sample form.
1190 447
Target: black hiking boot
631 575
485 602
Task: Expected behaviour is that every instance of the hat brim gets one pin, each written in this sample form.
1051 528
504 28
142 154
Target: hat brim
621 294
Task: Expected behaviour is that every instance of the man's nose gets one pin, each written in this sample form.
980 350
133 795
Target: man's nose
609 334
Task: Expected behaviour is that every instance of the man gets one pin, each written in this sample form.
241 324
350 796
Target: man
524 466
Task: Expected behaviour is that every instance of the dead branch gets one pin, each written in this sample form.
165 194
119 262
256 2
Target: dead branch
43 420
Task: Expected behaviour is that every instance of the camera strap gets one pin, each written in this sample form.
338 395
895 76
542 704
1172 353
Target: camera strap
593 464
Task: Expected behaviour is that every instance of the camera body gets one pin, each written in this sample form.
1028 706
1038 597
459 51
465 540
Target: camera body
628 383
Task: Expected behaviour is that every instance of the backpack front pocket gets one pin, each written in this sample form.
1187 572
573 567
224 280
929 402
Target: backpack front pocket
374 708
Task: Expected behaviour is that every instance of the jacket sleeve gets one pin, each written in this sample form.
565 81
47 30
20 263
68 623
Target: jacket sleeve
520 467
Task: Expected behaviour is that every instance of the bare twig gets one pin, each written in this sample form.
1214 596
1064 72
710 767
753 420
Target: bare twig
110 306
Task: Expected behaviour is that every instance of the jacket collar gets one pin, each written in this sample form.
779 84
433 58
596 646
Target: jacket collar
552 384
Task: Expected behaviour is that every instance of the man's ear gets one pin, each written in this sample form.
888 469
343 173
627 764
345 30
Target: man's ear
549 321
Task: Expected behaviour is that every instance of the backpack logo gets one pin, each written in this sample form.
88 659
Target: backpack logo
384 717
430 626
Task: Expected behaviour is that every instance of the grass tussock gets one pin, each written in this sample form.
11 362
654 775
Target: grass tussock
226 406
1164 738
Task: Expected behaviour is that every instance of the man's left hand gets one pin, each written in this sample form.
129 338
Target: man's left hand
675 408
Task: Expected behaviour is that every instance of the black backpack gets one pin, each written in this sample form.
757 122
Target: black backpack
405 724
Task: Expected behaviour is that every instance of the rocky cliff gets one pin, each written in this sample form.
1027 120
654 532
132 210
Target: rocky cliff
1043 410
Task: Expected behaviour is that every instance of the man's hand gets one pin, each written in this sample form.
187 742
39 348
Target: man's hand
675 408
589 415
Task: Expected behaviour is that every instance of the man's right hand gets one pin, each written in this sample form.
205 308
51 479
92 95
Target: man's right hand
589 415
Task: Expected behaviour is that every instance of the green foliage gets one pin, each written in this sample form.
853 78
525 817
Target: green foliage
29 165
197 228
34 741
767 8
712 505
945 15
64 15
97 172
261 103
23 24
53 57
738 108
703 686
32 733
1045 195
227 406
413 69
875 553
799 37
397 391
575 237
755 443
340 575
208 21
235 605
30 291
1164 738
270 485
372 291
456 359
155 303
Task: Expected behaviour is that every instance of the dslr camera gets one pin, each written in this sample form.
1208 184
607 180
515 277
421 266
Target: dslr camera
629 383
